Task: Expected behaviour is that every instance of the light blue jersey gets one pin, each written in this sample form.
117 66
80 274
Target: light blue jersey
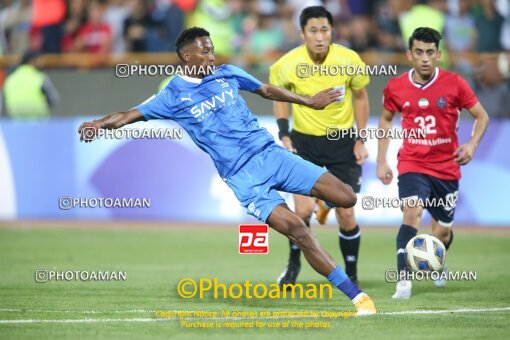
216 117
214 114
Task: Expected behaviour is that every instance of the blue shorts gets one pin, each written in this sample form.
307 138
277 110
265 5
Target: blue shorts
257 183
439 196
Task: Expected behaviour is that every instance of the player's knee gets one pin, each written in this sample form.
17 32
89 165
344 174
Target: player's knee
352 201
412 216
351 198
290 224
346 196
304 213
307 220
300 234
303 237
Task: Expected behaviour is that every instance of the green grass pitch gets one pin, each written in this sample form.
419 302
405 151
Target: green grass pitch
156 259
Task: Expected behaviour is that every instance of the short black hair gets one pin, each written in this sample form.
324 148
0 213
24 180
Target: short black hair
188 36
425 34
314 12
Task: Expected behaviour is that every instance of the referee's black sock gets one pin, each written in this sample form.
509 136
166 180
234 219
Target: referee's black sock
349 245
405 234
295 252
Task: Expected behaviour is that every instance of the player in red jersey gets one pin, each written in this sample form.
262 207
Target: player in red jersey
94 36
430 100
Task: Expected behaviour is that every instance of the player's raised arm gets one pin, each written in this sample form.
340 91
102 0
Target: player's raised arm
112 121
281 109
319 101
384 172
464 154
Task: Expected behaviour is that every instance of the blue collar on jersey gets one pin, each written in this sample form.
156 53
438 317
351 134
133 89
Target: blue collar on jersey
432 78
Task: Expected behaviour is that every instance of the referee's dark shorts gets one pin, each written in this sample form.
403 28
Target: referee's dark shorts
337 156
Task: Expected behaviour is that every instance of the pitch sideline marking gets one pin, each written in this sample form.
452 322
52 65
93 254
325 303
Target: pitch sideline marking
444 311
482 310
76 311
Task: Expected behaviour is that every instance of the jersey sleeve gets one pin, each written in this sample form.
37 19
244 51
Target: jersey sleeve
360 80
275 75
389 100
467 98
246 81
157 107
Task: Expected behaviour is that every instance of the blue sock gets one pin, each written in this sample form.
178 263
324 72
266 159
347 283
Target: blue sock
340 280
329 204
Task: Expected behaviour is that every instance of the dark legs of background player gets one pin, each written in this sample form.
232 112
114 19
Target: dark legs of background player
409 229
283 220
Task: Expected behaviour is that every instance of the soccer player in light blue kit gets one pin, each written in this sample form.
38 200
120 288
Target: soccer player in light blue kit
209 107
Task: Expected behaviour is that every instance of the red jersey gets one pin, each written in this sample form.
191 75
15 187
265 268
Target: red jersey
433 107
94 37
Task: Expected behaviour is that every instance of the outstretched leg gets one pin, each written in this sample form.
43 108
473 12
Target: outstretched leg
340 195
289 224
283 220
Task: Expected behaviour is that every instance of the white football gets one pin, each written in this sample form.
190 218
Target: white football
425 253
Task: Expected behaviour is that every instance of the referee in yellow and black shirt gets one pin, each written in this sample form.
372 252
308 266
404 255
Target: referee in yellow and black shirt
307 69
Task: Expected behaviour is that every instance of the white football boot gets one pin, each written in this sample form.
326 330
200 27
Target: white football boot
441 282
403 290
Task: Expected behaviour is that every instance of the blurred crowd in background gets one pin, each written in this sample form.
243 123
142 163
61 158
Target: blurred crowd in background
250 26
265 28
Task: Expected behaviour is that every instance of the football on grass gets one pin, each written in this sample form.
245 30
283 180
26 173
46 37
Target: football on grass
425 253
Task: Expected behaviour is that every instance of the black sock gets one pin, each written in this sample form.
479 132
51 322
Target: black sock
349 245
447 244
405 234
295 252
